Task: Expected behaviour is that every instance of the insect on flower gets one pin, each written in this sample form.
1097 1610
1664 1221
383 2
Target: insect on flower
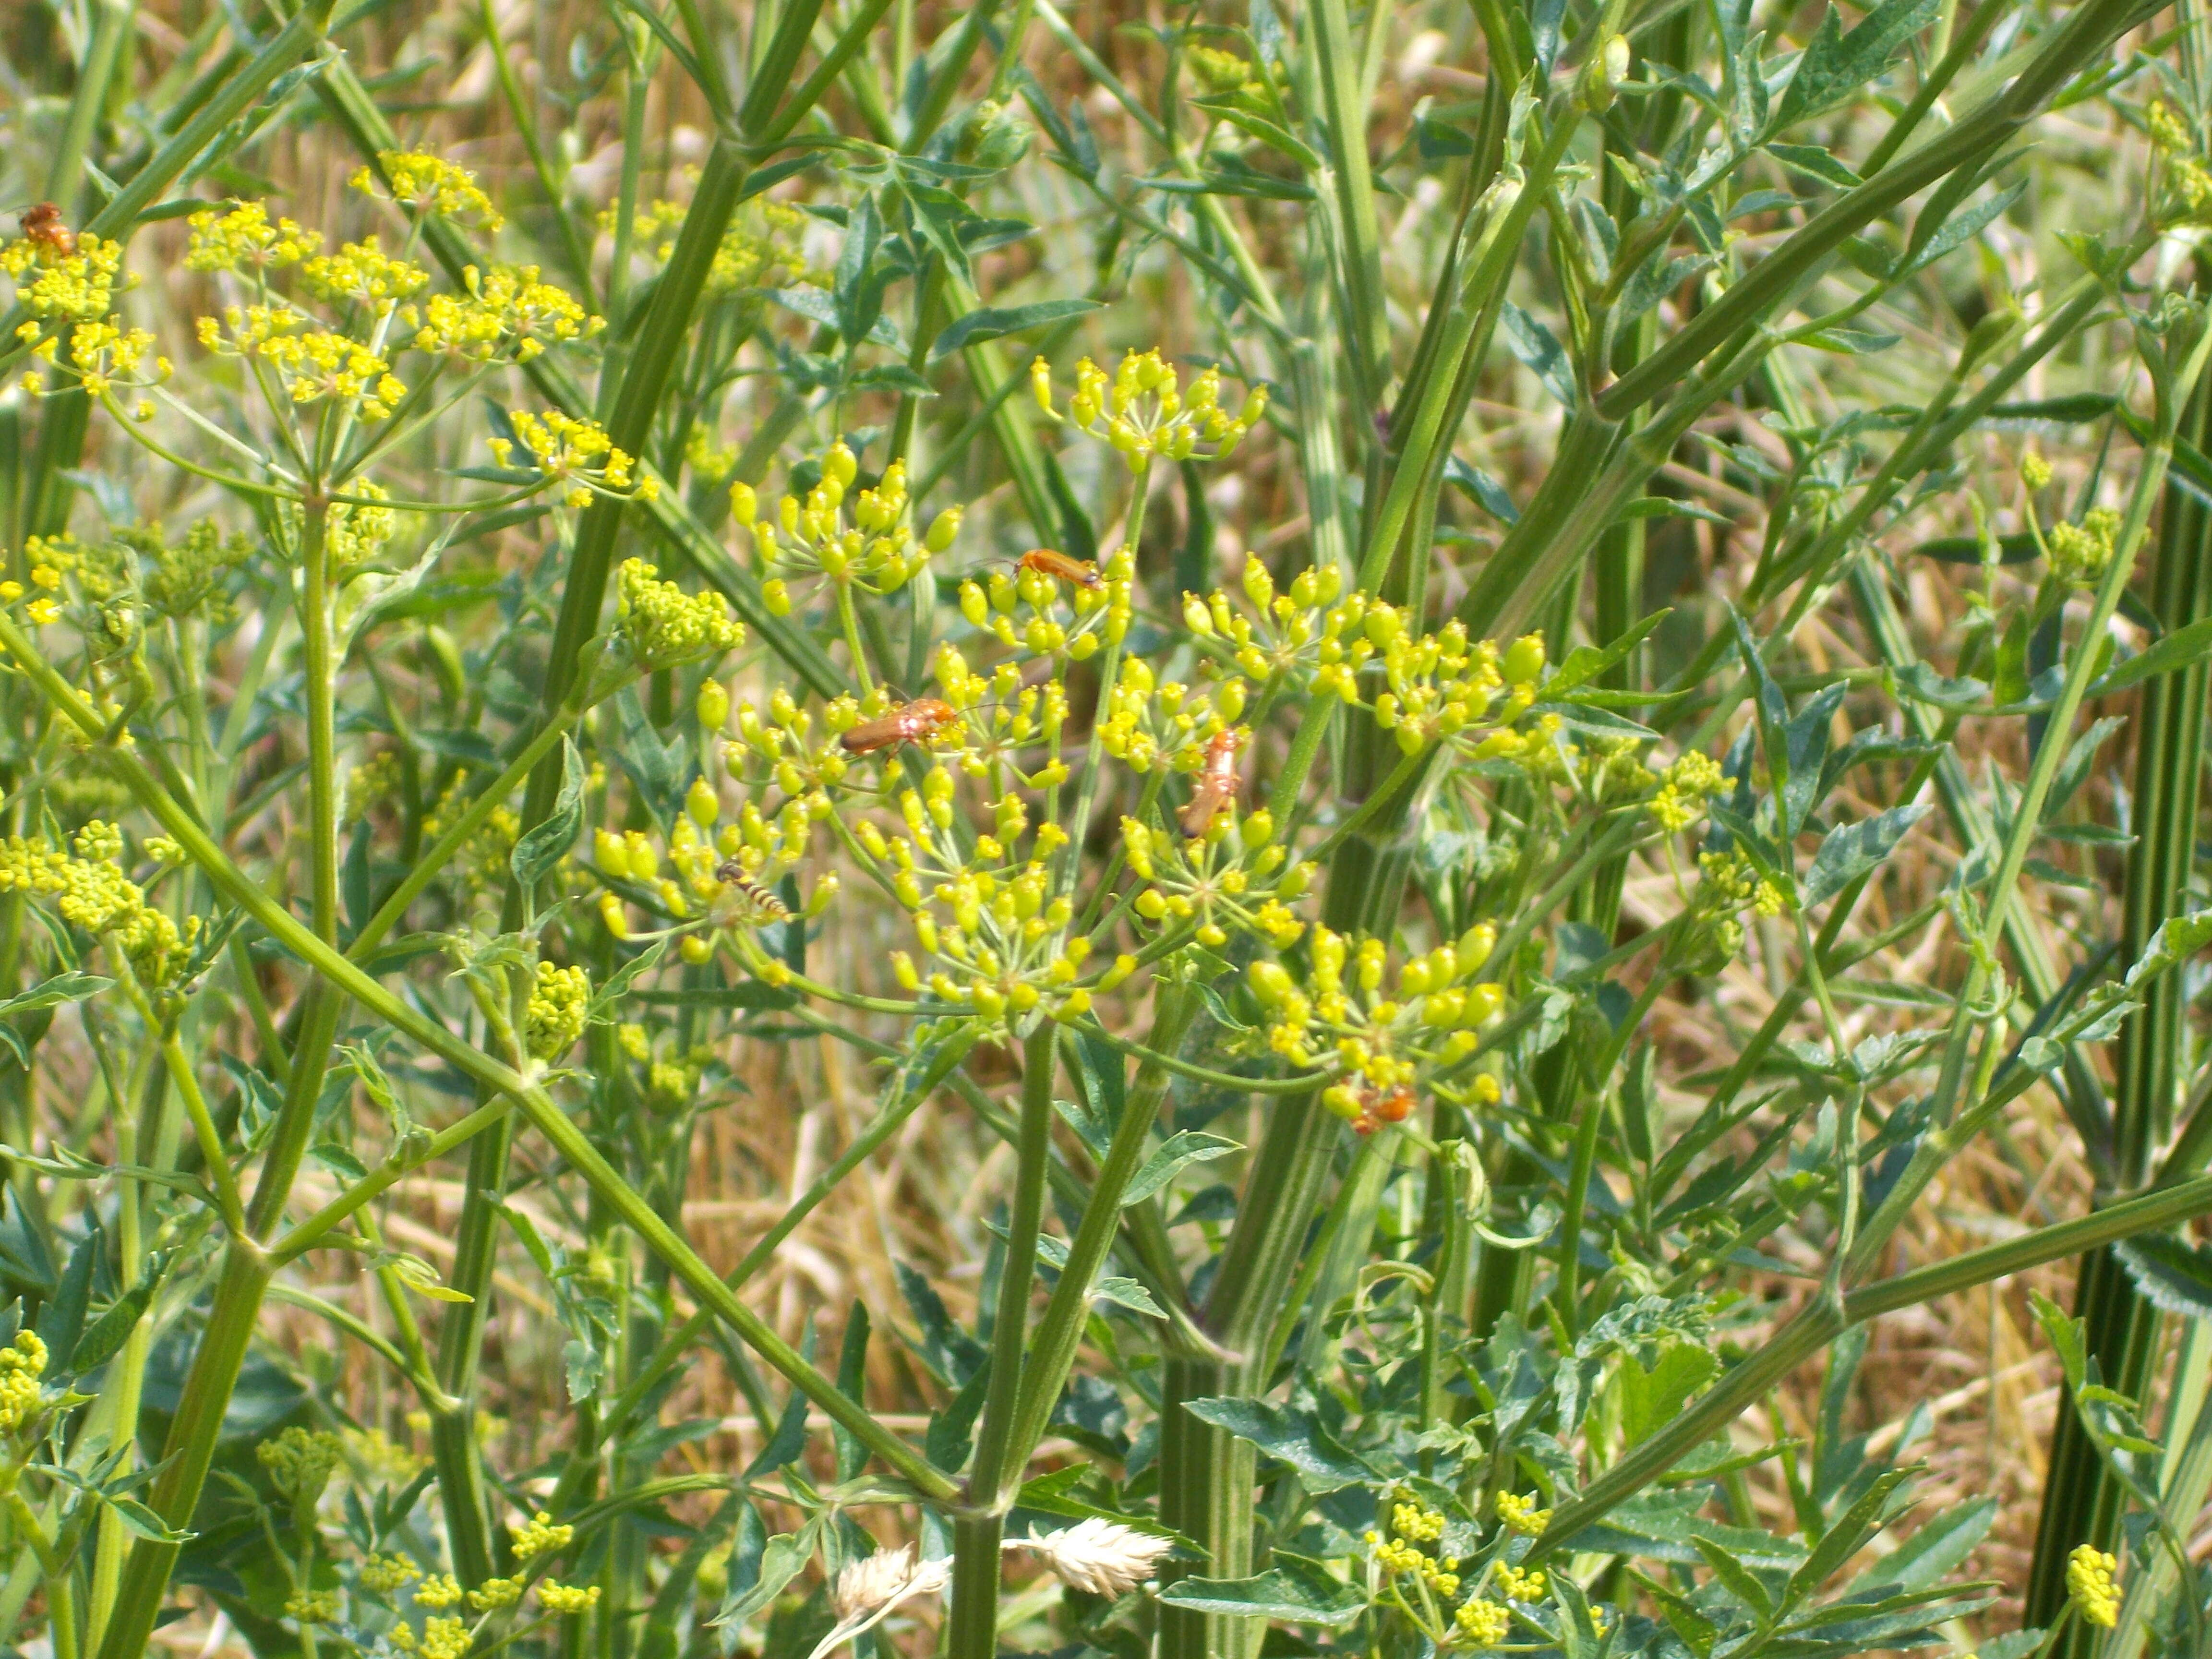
1389 1106
1216 790
43 225
914 722
1046 563
766 906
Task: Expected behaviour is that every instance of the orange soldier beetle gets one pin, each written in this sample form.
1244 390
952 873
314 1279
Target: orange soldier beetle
914 722
1216 789
1395 1106
43 225
1046 563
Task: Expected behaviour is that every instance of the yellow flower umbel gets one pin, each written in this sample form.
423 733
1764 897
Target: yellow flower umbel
759 250
1384 1040
101 358
2079 553
1036 614
22 1362
74 287
561 1600
1516 1585
504 309
1143 410
242 240
2188 178
495 1592
300 1463
867 544
1684 789
2089 1584
576 451
428 183
91 892
313 1607
310 364
364 274
382 1574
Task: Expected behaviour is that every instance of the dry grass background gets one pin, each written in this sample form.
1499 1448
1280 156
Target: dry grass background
1973 1360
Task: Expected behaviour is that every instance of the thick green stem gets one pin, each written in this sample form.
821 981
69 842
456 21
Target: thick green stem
192 1435
971 1627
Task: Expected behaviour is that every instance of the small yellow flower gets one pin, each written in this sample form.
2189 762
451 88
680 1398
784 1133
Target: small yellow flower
313 1606
382 1574
553 1022
541 1536
1483 1623
495 1592
1520 1514
567 1598
2089 1584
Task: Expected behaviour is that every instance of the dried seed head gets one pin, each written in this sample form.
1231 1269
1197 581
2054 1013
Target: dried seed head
1101 1557
884 1579
867 1590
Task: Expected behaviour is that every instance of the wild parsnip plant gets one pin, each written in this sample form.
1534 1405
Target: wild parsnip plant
1259 605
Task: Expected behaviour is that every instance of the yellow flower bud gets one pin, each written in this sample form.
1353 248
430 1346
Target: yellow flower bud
1525 660
700 803
713 706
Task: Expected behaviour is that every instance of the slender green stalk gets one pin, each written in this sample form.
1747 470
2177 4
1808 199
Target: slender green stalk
972 1624
122 1388
2080 1502
554 187
1367 326
112 25
1052 1353
2087 30
296 1122
1821 1320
